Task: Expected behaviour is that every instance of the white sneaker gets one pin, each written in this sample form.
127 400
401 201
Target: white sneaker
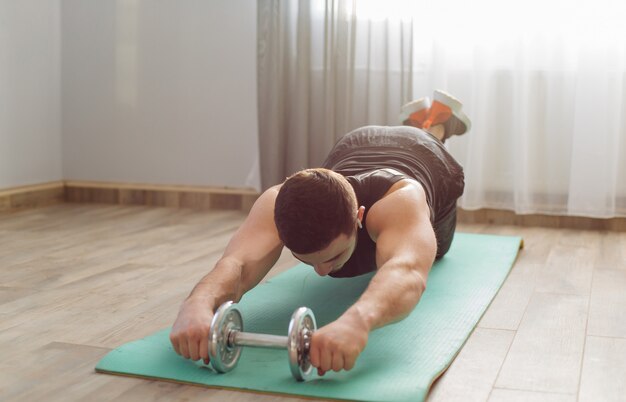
415 112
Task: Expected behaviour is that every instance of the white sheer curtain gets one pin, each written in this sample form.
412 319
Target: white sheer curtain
543 81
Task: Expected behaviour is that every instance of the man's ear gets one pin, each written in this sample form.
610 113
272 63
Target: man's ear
359 215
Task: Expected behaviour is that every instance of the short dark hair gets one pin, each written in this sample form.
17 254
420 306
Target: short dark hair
312 208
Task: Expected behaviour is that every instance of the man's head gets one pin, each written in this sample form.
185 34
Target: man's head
316 215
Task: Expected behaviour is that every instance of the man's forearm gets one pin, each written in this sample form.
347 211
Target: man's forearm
220 285
391 295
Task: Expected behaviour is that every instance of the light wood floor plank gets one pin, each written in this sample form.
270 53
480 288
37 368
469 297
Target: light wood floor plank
538 242
65 364
604 370
607 309
613 250
570 263
508 307
546 353
509 395
9 294
473 373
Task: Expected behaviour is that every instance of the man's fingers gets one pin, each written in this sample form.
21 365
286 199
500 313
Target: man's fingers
184 349
325 360
174 341
204 350
314 356
193 349
337 362
349 363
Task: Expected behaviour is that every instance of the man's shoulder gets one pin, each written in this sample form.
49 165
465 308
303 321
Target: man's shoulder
405 202
265 202
407 185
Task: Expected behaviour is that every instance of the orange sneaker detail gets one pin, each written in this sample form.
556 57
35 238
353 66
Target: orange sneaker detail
438 114
414 112
416 119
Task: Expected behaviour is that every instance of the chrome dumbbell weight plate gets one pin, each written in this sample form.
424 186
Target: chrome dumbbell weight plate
223 354
226 339
301 328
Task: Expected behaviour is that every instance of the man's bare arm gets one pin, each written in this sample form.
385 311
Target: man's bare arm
250 254
405 251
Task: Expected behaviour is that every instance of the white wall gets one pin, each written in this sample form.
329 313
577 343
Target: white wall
160 92
30 111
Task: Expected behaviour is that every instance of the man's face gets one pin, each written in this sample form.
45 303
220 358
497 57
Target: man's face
331 258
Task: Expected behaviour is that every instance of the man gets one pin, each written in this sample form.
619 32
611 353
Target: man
384 201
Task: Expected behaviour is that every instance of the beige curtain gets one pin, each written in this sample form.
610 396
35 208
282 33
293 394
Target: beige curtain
317 82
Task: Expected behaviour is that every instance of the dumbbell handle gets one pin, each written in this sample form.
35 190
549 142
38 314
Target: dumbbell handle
239 338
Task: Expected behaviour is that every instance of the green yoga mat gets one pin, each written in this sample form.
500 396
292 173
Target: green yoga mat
401 360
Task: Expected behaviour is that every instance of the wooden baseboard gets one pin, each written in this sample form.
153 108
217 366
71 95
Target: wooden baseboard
193 197
32 196
501 217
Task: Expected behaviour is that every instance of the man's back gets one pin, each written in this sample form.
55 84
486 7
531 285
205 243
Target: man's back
413 153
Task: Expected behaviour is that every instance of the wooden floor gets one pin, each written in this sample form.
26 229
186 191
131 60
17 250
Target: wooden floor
77 280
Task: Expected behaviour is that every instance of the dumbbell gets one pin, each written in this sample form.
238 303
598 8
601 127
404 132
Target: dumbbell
226 339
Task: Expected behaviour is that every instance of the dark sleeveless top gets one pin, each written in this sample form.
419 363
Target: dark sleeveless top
373 158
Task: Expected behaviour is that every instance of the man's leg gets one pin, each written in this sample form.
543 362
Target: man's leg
444 228
438 131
